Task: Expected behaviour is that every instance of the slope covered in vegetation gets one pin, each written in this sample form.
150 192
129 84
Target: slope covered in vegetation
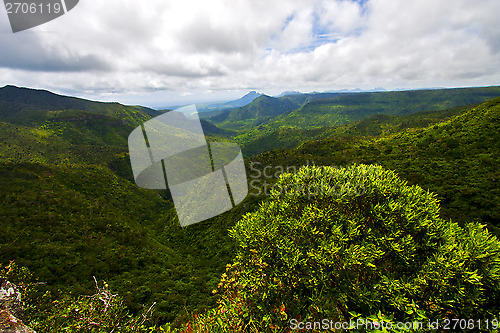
353 245
349 245
70 211
319 110
381 124
457 159
24 105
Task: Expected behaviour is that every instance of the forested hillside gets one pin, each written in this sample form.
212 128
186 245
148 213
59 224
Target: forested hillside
27 106
457 159
276 117
364 243
381 124
70 212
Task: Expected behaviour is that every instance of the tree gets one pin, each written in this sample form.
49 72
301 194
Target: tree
356 242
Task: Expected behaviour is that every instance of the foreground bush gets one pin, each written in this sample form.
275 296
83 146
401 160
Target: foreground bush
101 311
354 243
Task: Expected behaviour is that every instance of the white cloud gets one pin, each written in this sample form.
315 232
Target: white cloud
341 16
125 49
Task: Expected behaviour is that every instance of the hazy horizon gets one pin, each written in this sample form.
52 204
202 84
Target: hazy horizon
163 53
161 106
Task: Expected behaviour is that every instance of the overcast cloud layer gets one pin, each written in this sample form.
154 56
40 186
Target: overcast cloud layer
165 52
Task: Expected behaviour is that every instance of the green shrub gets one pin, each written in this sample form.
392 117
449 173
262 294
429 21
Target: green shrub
102 311
355 243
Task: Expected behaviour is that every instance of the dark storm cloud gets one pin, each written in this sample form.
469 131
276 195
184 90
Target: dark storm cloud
28 51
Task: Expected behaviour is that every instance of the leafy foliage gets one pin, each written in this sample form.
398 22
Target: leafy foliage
340 255
101 312
457 159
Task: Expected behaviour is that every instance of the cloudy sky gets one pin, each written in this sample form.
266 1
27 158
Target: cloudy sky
170 52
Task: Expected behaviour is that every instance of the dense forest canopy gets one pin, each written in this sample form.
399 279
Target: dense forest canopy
393 218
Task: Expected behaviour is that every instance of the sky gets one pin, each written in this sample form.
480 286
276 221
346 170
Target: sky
174 52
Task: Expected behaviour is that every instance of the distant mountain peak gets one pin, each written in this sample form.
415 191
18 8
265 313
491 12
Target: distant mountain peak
247 98
252 94
289 92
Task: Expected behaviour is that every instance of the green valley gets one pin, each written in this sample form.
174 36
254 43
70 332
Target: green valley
410 247
70 209
458 159
271 117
